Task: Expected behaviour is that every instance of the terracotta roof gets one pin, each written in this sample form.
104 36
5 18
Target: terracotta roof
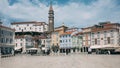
39 37
67 33
30 22
18 37
79 33
102 29
61 27
111 24
40 23
1 26
86 28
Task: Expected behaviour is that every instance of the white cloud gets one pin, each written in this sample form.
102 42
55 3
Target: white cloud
72 14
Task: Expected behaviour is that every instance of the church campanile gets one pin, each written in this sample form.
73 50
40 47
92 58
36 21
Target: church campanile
51 19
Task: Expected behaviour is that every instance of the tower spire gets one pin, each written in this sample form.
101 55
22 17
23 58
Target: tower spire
51 8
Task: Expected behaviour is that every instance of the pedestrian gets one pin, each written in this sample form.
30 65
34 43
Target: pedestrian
66 51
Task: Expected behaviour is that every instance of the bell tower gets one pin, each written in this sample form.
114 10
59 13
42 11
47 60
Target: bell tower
51 18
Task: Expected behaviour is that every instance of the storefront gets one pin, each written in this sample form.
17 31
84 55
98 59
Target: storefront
7 50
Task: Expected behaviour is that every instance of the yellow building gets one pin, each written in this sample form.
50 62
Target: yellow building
55 36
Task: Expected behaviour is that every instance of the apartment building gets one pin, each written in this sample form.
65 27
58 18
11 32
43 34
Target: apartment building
77 41
55 36
66 42
6 40
23 42
105 35
32 26
86 38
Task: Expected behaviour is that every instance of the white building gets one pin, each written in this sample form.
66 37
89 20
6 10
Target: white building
24 42
105 35
77 41
66 42
32 26
6 40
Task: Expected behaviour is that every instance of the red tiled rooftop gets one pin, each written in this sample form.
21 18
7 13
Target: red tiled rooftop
1 26
102 29
66 33
30 22
19 37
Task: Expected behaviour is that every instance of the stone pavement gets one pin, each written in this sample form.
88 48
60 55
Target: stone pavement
66 61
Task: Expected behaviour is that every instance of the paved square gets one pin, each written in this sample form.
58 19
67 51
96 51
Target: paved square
69 61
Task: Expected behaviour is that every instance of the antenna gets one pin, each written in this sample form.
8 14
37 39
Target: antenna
0 21
63 24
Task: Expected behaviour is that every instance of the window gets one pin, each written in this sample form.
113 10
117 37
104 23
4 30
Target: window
20 44
2 40
69 35
30 28
112 41
1 31
11 40
25 28
92 35
105 34
17 25
108 40
98 42
19 28
16 44
57 39
98 34
111 33
22 30
105 42
27 24
66 40
11 33
95 41
111 30
44 41
61 41
7 40
27 39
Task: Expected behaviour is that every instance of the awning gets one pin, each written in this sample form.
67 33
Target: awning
104 47
32 49
17 48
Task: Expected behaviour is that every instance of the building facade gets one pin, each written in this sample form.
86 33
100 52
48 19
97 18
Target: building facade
66 42
23 42
55 36
32 26
77 41
106 35
86 38
6 40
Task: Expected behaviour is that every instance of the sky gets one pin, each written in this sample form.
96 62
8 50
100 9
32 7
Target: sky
73 13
